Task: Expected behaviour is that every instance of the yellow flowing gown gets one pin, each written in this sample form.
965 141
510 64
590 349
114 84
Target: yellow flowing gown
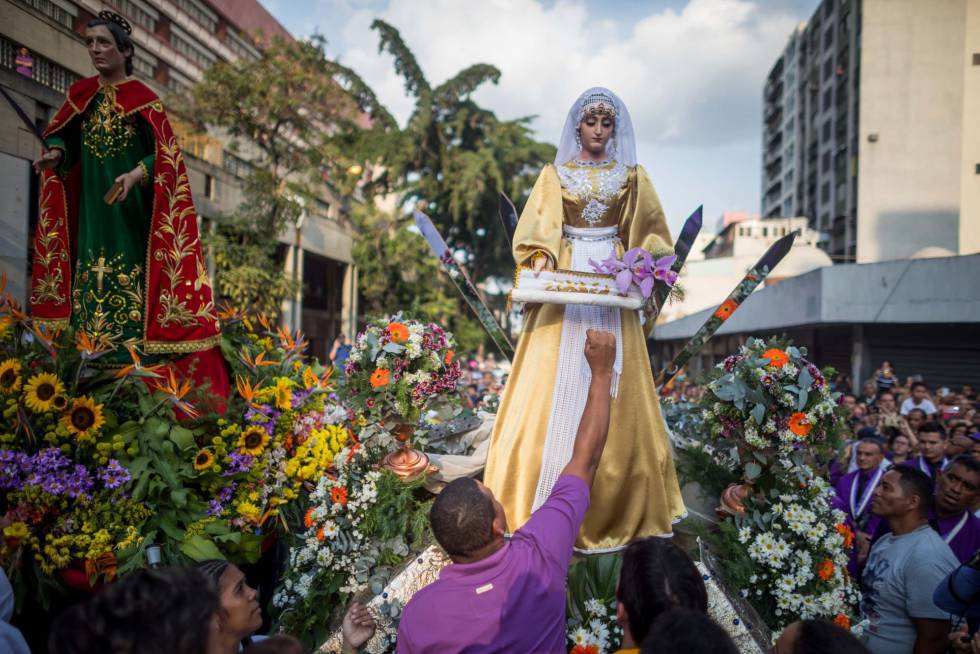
635 493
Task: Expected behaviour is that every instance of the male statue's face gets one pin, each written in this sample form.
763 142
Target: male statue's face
102 48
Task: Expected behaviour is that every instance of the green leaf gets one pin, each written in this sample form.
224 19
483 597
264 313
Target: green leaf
802 399
759 413
200 548
393 348
793 352
752 470
805 380
182 437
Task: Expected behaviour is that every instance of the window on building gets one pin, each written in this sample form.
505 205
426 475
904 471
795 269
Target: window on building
144 64
208 186
765 231
45 71
184 44
826 129
56 12
236 165
322 208
828 99
825 192
140 13
825 162
199 13
976 58
828 38
828 68
240 46
178 83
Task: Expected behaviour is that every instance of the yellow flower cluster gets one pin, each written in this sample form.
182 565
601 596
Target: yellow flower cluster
316 455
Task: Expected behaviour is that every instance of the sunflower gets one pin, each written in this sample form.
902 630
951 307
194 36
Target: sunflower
60 402
41 390
84 418
203 460
253 440
398 332
799 424
10 381
284 393
776 357
379 378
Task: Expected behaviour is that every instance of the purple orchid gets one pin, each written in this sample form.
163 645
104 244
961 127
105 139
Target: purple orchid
637 267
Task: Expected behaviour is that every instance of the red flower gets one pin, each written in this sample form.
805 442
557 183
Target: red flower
825 570
584 649
308 518
379 378
776 357
339 495
842 621
799 425
726 309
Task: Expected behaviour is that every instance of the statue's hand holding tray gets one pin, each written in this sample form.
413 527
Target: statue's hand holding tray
572 287
114 192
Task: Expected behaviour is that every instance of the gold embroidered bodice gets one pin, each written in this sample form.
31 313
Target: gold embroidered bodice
590 190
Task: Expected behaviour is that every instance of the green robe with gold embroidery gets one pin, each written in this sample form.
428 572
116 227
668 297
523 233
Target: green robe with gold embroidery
107 293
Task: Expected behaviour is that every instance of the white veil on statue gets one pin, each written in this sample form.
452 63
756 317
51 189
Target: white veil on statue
621 147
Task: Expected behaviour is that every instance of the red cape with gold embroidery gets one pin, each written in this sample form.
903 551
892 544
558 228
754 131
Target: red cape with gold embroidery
179 315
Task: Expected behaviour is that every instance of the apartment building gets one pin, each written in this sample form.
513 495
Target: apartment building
870 130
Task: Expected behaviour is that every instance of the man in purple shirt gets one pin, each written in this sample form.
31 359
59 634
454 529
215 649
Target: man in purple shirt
854 492
957 490
509 595
932 445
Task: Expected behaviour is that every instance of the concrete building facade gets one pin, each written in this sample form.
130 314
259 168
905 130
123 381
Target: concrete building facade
867 128
42 53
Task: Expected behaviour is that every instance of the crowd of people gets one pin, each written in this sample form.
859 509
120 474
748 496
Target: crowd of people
908 481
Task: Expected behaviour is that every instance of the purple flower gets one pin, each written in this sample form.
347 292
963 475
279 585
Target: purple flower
215 508
114 475
637 267
13 469
238 462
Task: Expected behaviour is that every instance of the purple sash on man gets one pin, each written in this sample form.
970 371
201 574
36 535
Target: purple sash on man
925 466
853 497
962 534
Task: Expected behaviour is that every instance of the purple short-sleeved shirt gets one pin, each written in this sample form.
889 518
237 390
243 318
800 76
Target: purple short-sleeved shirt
511 601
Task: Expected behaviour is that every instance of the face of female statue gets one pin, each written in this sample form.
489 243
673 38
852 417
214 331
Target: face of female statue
106 56
595 131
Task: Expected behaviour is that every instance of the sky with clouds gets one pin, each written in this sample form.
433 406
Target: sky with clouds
690 72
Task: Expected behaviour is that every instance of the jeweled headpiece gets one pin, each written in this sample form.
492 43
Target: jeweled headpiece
113 17
597 104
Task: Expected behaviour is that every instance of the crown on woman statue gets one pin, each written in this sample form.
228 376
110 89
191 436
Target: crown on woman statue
596 104
113 17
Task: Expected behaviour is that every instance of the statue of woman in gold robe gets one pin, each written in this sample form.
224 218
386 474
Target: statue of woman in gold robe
592 202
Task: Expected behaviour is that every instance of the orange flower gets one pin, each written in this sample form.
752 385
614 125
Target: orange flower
398 332
776 357
848 535
449 357
799 425
842 621
339 495
379 377
726 309
308 518
319 533
825 570
584 649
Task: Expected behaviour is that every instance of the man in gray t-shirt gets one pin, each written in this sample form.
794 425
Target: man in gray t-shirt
904 568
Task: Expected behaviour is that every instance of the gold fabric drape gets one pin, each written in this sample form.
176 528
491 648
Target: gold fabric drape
636 491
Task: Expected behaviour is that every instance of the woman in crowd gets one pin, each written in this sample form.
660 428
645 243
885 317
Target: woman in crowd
656 576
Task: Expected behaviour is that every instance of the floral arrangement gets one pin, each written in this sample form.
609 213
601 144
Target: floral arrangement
97 462
768 419
768 400
591 625
397 367
639 268
360 522
797 553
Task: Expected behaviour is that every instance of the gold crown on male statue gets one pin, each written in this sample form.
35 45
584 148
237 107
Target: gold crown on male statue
598 104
